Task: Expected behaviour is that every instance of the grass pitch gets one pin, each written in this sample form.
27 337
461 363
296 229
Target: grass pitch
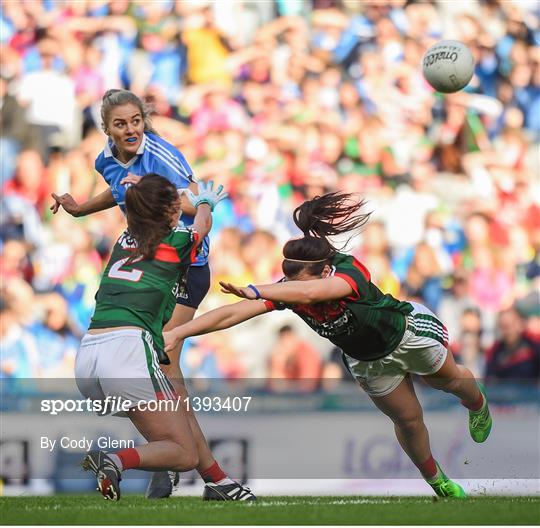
135 510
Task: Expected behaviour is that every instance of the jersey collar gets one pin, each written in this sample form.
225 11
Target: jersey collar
108 153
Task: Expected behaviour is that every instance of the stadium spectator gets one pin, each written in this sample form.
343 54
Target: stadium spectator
57 342
294 364
17 133
515 355
206 48
30 180
20 221
334 370
19 346
467 342
455 301
14 260
422 283
49 96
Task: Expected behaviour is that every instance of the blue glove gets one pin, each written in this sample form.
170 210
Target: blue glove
206 195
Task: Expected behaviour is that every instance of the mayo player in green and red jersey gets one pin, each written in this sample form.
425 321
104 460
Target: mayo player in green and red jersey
383 339
133 149
120 355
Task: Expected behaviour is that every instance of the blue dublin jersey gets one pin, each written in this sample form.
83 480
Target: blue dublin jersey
155 155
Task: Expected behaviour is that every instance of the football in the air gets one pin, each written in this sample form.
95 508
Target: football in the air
448 65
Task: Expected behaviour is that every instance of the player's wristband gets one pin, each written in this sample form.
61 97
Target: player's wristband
206 201
257 292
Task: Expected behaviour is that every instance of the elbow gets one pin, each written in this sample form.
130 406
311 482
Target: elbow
227 321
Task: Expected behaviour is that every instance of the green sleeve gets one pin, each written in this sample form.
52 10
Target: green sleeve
354 272
185 242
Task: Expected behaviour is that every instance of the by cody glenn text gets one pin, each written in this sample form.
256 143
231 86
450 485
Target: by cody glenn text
83 443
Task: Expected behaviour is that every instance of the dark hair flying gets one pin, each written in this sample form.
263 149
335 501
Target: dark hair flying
322 217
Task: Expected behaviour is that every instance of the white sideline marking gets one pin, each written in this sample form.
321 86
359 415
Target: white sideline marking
337 502
217 504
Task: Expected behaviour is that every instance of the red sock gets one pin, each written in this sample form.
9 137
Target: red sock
213 474
476 406
428 468
130 458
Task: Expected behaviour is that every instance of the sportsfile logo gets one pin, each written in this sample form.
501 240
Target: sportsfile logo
114 405
110 405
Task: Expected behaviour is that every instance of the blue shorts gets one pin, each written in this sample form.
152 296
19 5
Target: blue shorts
193 287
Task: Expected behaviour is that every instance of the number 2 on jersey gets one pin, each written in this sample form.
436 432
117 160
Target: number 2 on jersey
133 275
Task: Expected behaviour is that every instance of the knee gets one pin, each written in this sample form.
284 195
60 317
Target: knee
449 385
186 458
191 460
410 425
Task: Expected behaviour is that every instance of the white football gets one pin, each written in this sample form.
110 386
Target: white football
448 66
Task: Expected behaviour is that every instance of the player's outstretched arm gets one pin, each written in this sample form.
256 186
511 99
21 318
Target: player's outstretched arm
99 202
204 202
202 223
214 320
294 292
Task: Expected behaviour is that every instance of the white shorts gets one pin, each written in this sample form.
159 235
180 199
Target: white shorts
121 364
422 351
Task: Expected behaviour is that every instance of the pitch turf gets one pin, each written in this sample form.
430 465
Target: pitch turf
135 510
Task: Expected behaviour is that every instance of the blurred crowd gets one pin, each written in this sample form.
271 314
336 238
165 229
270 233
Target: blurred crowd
280 101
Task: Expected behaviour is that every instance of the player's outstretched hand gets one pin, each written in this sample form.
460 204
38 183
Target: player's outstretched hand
172 341
67 202
206 194
239 291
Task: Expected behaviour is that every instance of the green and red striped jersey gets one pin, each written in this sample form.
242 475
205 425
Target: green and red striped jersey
141 293
367 325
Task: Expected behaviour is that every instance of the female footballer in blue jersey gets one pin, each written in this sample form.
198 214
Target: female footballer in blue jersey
133 149
383 339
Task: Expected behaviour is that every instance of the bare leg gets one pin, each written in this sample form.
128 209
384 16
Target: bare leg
170 445
457 380
183 314
403 408
170 442
218 485
460 381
